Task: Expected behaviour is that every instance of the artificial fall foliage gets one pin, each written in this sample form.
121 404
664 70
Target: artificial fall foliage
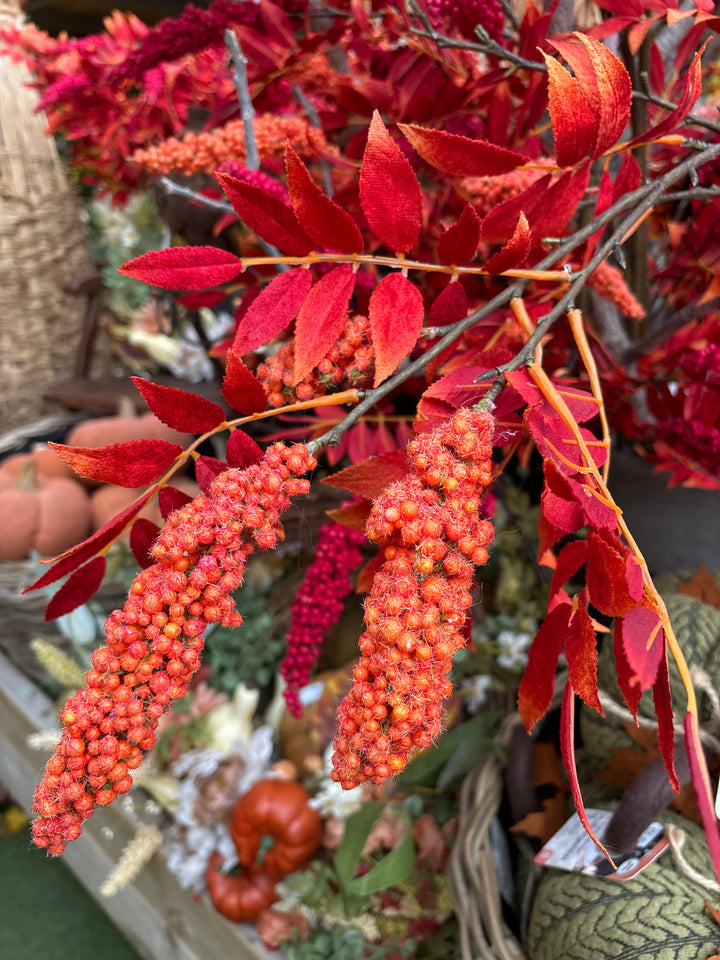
470 190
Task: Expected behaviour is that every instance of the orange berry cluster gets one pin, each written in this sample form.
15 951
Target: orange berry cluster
608 281
432 535
205 152
349 363
486 193
153 644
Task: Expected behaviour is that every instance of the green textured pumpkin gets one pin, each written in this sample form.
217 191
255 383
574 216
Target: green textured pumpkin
658 915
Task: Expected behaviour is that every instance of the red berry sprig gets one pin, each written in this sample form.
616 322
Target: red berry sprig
432 535
153 644
318 605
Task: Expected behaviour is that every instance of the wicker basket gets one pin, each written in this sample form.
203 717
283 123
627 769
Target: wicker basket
42 247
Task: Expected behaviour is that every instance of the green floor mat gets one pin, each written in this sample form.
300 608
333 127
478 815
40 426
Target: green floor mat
45 914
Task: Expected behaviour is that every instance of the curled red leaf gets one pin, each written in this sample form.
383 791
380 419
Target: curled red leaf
538 683
241 388
143 535
515 250
77 589
460 242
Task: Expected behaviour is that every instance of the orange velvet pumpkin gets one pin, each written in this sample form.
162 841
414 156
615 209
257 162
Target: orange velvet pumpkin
37 512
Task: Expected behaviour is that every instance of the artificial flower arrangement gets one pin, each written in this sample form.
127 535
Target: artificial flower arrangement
473 191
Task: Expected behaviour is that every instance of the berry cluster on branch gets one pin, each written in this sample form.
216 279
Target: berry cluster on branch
205 152
462 16
318 604
432 536
153 644
349 363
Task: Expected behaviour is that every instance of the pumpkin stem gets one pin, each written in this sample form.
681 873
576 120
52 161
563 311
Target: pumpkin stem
266 844
27 476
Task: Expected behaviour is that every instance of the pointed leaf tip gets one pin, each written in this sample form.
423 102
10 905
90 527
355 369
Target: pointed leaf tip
389 191
176 408
320 217
183 268
241 388
77 589
271 219
133 463
461 156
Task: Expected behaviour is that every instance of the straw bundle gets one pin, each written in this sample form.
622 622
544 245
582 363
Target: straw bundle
42 247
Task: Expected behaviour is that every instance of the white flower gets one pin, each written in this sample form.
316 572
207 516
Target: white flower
476 690
513 649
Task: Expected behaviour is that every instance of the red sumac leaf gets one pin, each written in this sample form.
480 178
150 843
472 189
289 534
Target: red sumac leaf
461 156
572 556
643 641
241 450
691 91
171 499
241 388
567 749
320 217
353 515
662 702
389 191
187 412
557 501
269 218
450 305
703 789
515 250
460 242
590 110
321 318
606 576
77 589
581 653
132 463
71 559
396 315
143 535
272 310
183 268
538 683
558 204
370 478
206 470
626 678
499 225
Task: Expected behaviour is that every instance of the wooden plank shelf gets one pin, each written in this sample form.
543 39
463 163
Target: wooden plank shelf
161 920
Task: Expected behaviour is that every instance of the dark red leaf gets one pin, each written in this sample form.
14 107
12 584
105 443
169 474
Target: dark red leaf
171 499
627 679
361 442
77 589
242 451
606 575
353 515
567 748
450 305
461 156
389 192
396 315
704 792
572 556
321 318
515 250
269 218
270 313
691 92
183 268
560 508
538 682
320 217
132 463
499 225
208 298
208 469
72 558
143 535
369 479
643 641
581 653
459 244
558 204
662 701
179 409
241 388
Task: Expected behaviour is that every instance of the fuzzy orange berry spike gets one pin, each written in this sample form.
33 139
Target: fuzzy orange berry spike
349 363
432 535
153 644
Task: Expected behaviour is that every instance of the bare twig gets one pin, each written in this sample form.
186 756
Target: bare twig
188 194
314 119
247 110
